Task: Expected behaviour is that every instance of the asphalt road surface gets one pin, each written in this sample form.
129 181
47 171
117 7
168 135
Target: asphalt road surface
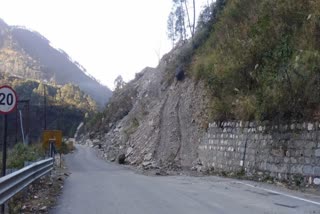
96 186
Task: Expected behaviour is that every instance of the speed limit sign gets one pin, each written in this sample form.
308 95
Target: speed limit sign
8 100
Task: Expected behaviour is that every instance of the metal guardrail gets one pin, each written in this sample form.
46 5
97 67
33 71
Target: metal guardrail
15 182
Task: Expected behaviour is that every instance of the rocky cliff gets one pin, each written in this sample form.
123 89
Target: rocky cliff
161 125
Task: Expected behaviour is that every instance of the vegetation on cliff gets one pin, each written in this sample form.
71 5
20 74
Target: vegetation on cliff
261 59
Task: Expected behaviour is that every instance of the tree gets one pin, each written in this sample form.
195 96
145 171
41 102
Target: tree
176 24
210 13
171 23
119 83
191 26
180 27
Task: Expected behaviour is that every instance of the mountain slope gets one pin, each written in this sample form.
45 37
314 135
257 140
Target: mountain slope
161 122
251 60
28 54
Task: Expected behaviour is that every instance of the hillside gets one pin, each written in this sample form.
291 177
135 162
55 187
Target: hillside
261 60
27 54
67 107
248 61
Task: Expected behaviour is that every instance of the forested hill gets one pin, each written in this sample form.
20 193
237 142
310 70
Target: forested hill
28 54
35 69
66 107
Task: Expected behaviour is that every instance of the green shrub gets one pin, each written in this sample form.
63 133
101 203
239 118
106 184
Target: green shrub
245 108
21 153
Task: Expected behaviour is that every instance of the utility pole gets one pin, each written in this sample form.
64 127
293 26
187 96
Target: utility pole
28 121
26 110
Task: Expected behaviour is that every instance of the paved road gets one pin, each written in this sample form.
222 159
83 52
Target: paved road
99 187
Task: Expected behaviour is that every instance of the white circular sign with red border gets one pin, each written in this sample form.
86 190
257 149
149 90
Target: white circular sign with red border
8 99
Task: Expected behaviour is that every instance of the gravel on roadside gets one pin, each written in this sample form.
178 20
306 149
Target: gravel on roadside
42 194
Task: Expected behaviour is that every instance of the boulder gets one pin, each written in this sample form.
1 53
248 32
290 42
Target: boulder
148 157
129 151
179 73
121 159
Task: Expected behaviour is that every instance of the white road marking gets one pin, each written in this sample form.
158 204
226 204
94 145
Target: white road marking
280 193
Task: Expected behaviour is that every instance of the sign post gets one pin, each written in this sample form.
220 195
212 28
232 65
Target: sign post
8 103
4 145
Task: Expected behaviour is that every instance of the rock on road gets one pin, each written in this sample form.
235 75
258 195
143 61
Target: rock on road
96 186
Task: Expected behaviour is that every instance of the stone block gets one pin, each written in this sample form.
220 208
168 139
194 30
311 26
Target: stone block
308 153
299 126
308 160
287 153
317 153
279 168
293 160
300 160
308 170
317 171
296 169
291 144
292 126
286 160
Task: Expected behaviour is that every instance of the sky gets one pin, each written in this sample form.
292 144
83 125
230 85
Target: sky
109 38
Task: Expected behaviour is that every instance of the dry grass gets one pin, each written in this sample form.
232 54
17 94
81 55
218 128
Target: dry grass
259 56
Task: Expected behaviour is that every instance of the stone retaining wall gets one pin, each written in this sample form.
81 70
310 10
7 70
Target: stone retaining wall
285 152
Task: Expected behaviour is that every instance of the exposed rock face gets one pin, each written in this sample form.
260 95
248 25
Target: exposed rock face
165 124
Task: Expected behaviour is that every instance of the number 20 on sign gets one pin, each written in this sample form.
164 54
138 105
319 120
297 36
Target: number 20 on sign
8 100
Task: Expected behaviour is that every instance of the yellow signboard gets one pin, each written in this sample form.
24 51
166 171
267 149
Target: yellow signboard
52 135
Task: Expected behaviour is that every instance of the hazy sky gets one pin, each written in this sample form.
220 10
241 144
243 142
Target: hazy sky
109 38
